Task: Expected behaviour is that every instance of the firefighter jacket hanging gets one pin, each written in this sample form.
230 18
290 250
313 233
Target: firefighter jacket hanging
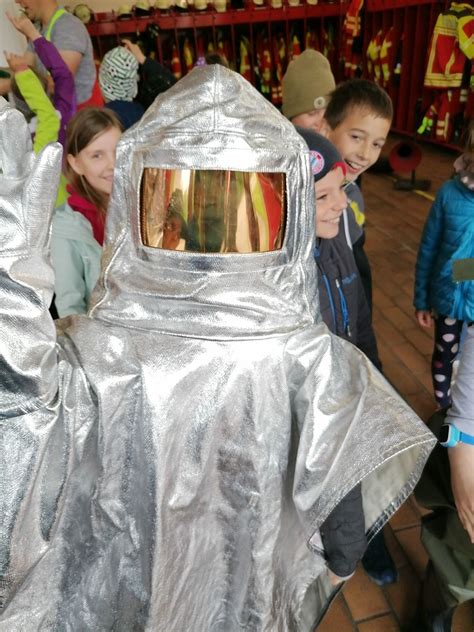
452 46
351 44
169 457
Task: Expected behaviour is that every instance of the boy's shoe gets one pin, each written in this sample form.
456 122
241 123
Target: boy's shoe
378 563
441 622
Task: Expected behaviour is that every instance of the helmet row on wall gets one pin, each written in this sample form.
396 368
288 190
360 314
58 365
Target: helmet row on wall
144 8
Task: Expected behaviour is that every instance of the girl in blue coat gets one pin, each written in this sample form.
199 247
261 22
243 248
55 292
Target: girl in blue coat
448 236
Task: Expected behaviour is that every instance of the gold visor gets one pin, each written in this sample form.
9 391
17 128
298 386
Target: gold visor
212 211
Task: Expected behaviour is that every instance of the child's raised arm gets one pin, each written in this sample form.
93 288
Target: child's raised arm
64 98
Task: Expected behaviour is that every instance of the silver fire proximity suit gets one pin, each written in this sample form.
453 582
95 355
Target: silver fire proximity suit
168 459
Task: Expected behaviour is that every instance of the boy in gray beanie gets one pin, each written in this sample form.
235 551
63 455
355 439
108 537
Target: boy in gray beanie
307 85
118 80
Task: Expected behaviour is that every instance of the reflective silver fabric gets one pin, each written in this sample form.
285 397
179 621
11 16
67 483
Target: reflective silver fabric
167 459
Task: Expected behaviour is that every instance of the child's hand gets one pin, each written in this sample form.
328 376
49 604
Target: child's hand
16 63
424 318
135 50
23 24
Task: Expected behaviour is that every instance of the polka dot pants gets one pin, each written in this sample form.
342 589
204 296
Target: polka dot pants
447 336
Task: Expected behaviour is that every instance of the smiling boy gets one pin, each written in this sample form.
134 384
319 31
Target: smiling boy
357 121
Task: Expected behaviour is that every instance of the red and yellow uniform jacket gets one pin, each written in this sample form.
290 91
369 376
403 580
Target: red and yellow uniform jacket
176 63
351 29
451 43
388 55
244 68
373 57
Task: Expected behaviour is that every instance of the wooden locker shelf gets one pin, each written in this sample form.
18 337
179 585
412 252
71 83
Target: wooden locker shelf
110 24
386 5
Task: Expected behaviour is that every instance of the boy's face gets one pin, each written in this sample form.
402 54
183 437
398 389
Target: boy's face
313 120
31 8
331 200
359 139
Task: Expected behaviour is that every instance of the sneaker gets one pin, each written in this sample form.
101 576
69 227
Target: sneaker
442 621
378 563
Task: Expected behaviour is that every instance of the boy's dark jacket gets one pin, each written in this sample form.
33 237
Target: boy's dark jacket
345 311
342 299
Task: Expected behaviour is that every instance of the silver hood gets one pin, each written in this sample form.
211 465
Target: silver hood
212 120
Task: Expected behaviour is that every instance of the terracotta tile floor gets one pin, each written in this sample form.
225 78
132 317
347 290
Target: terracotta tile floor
394 223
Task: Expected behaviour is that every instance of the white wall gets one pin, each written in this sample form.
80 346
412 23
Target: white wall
10 39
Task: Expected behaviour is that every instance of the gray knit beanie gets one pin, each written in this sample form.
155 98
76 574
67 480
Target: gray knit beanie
118 75
307 83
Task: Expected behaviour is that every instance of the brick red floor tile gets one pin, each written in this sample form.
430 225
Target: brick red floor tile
423 404
411 543
406 304
403 596
421 510
393 545
419 340
395 220
398 318
387 623
402 380
380 298
407 516
364 598
411 358
338 617
389 287
386 332
425 380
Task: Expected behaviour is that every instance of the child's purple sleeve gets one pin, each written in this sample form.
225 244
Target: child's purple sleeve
64 88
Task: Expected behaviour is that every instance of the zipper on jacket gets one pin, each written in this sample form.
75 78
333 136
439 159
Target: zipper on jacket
344 310
328 288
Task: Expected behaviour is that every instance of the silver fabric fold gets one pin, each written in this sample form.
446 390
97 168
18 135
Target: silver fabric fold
175 462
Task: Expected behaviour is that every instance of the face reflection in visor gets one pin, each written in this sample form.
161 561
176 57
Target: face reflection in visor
212 211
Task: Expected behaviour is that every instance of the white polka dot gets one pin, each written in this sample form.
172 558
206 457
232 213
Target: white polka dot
455 348
448 337
439 393
449 392
440 347
439 378
449 321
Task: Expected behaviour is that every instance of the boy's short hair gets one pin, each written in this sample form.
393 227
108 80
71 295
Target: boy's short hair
360 93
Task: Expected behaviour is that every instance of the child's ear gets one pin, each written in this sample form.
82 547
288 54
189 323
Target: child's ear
73 163
324 129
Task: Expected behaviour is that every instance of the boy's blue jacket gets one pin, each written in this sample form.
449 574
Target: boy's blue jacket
448 235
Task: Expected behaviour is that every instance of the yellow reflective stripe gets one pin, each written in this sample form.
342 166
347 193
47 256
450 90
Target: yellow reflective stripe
52 22
359 216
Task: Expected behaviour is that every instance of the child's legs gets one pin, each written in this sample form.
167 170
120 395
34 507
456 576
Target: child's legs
447 336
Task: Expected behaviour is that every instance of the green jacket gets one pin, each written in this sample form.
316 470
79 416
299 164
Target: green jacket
76 260
47 128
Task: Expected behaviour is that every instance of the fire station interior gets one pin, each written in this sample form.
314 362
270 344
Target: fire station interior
389 42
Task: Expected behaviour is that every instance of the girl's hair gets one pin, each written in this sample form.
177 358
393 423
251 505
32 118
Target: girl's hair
82 129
